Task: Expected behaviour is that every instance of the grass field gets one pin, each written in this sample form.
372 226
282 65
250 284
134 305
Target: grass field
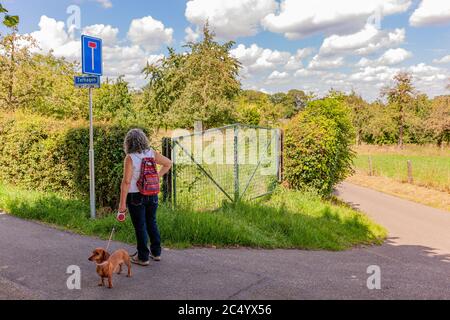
430 165
288 219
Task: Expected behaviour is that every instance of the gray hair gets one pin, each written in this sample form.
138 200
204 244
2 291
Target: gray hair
136 142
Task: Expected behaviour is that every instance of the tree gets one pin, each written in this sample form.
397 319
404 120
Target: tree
439 120
380 127
298 99
290 103
53 91
259 108
16 67
416 117
400 99
200 84
360 114
8 20
248 113
112 99
38 83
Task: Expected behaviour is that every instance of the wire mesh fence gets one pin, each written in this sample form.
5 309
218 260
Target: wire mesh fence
227 164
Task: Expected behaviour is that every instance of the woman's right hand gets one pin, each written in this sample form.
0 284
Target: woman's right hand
122 208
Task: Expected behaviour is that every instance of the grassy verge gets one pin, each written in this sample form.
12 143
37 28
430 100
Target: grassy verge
288 219
430 165
426 196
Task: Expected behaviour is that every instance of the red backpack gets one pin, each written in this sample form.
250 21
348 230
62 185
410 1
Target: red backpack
148 183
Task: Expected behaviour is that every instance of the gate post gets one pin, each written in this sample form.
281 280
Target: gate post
280 157
167 180
236 164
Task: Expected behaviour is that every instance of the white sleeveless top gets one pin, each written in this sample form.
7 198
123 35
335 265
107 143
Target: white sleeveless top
136 159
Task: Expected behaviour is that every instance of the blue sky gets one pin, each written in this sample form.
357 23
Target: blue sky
282 44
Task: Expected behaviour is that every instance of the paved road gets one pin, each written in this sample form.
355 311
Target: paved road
414 263
408 222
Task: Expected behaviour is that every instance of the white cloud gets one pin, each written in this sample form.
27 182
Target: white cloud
51 34
431 12
443 60
70 50
296 62
276 75
107 33
319 62
429 79
129 60
191 35
364 62
374 74
255 58
366 41
394 56
423 69
308 73
149 33
426 78
231 18
105 3
390 57
298 19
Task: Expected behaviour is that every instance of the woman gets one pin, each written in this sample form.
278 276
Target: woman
142 208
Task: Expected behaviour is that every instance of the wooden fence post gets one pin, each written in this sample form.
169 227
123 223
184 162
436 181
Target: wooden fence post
281 157
370 166
410 174
237 193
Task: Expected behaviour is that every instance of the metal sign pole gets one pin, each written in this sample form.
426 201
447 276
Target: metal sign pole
91 158
92 64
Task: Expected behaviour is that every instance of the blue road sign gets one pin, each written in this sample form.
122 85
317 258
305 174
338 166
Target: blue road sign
91 55
87 82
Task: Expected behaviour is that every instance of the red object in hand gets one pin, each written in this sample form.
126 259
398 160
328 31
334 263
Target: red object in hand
121 216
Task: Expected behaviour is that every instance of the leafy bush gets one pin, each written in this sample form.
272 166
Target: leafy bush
318 146
38 153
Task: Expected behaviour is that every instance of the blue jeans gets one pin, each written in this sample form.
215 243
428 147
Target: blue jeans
143 215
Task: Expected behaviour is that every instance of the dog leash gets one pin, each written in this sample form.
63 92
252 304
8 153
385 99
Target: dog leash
110 238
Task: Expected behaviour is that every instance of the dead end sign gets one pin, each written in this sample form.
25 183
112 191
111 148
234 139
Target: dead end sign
91 55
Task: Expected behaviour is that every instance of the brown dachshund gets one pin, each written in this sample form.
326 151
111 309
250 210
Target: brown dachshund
108 264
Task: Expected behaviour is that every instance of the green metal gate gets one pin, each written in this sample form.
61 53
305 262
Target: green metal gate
228 164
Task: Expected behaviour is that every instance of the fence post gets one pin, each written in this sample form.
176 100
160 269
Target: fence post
281 156
370 166
410 174
236 164
174 174
167 180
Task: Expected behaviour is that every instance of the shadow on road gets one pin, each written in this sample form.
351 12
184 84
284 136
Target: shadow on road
407 271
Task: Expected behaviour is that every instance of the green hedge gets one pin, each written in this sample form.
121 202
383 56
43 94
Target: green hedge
318 143
43 154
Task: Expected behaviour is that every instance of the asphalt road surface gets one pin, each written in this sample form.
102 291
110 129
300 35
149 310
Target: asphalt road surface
414 263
